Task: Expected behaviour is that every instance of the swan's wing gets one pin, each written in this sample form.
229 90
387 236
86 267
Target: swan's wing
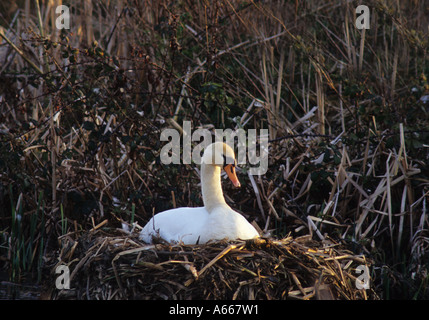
176 225
230 224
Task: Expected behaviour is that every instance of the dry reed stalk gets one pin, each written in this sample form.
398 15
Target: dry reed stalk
88 8
320 101
258 196
268 91
362 48
20 52
279 88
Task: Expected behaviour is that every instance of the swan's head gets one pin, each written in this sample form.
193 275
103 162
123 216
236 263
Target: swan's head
222 155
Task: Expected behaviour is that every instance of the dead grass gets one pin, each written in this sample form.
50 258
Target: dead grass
116 265
81 113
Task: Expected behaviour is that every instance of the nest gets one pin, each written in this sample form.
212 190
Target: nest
116 265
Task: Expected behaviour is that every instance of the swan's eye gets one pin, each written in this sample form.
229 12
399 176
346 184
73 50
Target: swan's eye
228 161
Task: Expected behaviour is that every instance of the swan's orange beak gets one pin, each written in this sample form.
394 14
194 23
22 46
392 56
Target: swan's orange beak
230 171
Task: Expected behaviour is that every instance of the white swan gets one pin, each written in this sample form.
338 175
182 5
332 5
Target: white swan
216 220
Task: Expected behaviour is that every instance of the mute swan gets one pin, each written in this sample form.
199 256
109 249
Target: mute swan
216 220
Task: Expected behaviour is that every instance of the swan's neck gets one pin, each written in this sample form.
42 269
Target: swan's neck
211 187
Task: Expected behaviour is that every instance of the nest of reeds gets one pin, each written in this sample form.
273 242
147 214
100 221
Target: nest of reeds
117 265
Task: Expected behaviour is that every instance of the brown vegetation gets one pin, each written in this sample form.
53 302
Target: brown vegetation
81 112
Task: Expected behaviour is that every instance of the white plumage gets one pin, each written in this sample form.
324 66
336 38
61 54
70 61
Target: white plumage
216 220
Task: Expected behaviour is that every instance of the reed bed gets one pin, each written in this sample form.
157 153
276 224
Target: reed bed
82 110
